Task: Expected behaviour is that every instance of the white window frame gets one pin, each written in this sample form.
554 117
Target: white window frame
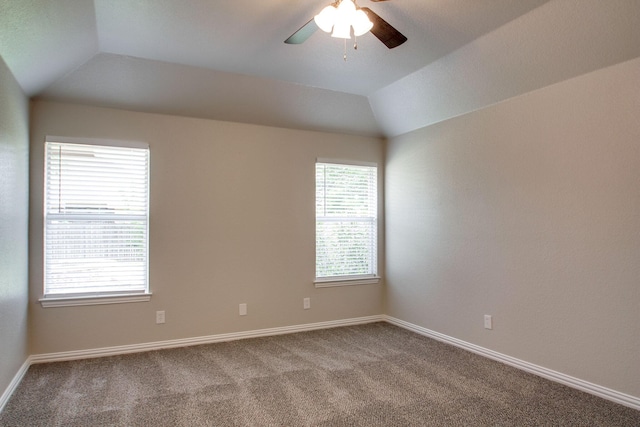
359 279
54 299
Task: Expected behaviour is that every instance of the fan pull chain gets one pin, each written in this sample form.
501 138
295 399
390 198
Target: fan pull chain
355 46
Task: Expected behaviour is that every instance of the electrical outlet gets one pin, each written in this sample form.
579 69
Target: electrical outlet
160 317
306 303
488 321
243 309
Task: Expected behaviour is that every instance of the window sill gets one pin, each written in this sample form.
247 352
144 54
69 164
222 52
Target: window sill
346 281
69 301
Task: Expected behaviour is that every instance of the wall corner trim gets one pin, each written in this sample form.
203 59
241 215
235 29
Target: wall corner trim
185 342
594 389
559 377
159 345
4 398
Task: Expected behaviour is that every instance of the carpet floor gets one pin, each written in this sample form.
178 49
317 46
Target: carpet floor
367 375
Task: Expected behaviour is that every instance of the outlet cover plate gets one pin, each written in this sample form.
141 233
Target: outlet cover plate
488 321
160 317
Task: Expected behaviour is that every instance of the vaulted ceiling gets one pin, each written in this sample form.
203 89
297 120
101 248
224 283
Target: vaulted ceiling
226 60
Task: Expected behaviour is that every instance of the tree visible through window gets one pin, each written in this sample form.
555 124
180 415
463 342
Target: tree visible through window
95 218
346 221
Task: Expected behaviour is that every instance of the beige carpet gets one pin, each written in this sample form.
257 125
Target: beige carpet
369 375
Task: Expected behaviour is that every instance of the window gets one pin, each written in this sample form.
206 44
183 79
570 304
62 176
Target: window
96 209
346 223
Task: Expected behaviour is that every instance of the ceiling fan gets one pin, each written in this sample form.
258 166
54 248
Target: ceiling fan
380 28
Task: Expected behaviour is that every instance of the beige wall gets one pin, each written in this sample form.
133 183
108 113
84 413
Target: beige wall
528 210
231 221
14 187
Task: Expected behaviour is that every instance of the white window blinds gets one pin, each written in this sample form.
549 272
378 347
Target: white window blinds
346 221
96 219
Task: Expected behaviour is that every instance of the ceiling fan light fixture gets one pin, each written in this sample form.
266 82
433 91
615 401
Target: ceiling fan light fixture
346 8
361 23
344 17
362 20
342 30
339 20
326 18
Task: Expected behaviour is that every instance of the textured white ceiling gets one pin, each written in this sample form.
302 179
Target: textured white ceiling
247 37
42 40
555 42
145 85
226 60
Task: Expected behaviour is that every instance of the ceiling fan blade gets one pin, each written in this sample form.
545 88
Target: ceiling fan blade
303 33
384 31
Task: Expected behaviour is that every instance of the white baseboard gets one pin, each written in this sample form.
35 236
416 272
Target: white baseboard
138 348
17 378
595 389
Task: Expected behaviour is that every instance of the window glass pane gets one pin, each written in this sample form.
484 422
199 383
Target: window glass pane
96 179
96 219
345 248
346 220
